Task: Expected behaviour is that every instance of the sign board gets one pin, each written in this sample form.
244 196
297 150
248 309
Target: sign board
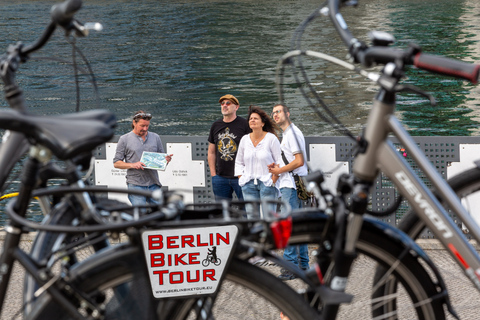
181 174
183 262
324 159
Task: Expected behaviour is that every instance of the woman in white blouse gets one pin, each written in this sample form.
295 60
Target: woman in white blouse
256 151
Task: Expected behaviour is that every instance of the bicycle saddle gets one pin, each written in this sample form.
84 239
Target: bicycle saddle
65 135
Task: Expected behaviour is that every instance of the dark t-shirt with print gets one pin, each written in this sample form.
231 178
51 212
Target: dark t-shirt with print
226 138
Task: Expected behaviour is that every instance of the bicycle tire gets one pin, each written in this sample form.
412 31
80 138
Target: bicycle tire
247 289
466 185
44 243
205 262
375 248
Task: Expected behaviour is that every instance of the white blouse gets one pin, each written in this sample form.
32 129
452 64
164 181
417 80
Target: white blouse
252 162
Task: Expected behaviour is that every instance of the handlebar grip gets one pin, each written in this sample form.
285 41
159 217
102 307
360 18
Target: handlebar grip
62 13
447 66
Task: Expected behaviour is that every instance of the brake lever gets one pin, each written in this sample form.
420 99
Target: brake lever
83 30
413 89
390 83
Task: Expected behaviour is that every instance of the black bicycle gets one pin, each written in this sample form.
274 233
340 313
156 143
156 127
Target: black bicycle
105 283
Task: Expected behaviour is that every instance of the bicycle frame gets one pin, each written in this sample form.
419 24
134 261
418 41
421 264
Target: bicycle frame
382 155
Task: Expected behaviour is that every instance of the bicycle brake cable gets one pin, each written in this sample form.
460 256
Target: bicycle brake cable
296 43
75 49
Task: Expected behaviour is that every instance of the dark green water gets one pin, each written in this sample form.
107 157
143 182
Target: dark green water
176 58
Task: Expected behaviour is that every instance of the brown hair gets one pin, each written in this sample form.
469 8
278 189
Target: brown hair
146 116
269 124
285 108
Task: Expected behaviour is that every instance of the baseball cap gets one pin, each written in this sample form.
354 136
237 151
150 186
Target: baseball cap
229 97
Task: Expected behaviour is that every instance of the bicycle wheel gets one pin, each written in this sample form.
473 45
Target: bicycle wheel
247 292
45 243
466 185
415 287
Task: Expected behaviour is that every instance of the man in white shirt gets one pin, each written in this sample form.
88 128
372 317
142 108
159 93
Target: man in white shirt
293 149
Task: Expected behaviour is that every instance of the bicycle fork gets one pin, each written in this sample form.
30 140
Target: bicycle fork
348 226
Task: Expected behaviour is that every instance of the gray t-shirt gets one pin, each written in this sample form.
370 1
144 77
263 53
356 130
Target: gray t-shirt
130 148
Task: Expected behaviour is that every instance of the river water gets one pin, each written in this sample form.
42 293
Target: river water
176 58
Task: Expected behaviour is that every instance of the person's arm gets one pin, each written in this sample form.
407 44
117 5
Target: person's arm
212 157
125 165
120 156
296 163
240 159
276 151
160 149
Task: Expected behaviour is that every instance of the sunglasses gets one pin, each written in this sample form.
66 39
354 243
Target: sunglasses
141 115
225 102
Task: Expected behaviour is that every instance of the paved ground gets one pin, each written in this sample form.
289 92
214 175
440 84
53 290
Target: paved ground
465 298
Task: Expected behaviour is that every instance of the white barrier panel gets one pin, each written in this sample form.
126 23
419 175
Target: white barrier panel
469 153
325 161
181 174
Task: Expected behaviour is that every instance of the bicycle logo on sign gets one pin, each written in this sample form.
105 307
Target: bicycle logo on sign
211 257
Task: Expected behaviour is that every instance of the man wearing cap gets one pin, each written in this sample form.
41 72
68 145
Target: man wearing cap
129 151
224 138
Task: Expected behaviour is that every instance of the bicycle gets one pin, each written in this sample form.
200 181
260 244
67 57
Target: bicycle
345 231
211 259
79 287
374 240
101 268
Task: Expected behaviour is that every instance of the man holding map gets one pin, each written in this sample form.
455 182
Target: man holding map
129 152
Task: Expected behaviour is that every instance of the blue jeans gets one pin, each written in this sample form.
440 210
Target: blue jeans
223 188
258 191
141 200
298 255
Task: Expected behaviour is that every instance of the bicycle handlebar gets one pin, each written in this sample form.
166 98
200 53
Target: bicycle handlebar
369 56
447 66
61 14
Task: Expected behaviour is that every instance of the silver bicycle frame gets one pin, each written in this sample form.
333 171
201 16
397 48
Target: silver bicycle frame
382 155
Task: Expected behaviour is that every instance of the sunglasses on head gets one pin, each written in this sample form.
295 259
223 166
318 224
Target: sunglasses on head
141 115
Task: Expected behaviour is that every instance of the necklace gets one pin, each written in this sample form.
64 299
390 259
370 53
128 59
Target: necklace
256 140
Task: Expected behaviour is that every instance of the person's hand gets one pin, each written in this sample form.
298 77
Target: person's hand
274 170
138 165
274 179
168 157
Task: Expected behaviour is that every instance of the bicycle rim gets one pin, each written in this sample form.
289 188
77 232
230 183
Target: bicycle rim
467 186
248 292
403 290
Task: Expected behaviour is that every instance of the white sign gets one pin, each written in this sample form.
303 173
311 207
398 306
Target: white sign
184 262
181 174
322 157
468 155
